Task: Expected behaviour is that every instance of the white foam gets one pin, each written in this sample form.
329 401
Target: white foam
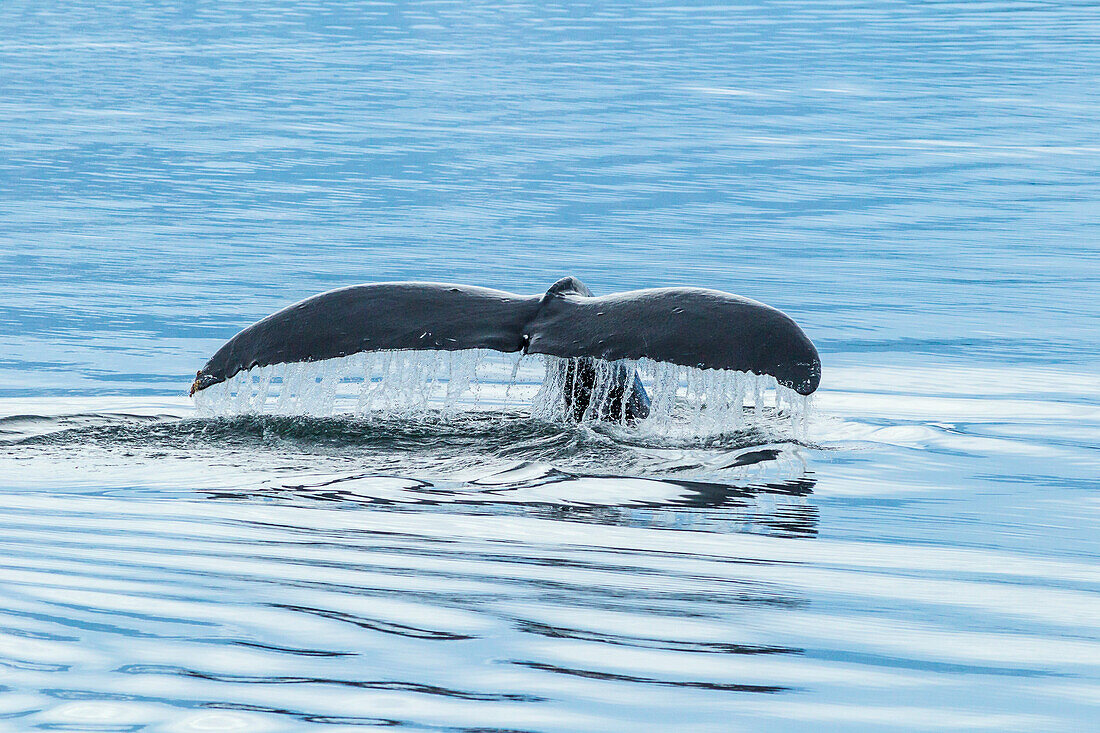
440 383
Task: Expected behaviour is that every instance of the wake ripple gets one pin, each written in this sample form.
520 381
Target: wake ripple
249 613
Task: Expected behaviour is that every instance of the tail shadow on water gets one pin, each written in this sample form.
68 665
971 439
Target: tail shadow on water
503 465
482 463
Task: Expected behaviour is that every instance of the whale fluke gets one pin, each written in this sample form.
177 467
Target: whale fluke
706 329
378 317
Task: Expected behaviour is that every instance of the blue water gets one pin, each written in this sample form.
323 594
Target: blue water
915 183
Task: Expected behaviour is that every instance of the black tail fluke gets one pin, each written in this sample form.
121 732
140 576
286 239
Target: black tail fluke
707 329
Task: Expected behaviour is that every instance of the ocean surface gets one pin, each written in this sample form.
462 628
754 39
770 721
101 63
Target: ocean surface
914 182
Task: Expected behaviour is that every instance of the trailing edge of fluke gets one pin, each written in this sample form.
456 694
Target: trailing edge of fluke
694 327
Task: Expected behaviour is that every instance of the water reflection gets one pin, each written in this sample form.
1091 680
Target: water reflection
478 464
302 571
780 509
780 506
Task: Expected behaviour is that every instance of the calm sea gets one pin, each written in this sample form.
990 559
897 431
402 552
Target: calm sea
914 182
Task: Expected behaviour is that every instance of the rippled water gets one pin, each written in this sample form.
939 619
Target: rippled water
915 183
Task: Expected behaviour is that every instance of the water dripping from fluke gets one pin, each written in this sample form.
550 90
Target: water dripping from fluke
659 359
423 385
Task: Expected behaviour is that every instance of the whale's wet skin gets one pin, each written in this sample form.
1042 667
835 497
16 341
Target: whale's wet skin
914 184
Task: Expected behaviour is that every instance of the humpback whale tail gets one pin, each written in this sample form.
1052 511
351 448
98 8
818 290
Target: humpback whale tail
596 339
